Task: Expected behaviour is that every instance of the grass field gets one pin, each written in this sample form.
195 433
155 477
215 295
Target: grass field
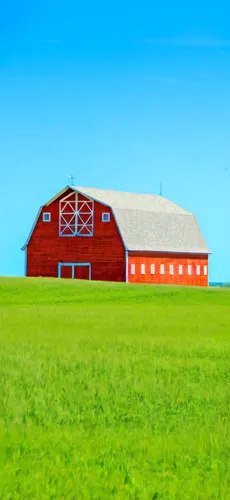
113 391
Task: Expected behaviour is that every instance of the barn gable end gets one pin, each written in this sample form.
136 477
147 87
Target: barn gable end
47 248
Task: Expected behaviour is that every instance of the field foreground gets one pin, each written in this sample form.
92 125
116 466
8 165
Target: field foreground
113 391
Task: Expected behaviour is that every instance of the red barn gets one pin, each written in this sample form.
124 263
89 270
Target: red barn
88 233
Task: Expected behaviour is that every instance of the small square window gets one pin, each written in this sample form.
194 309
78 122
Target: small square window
133 268
205 270
142 268
106 217
162 269
189 270
180 269
171 270
46 217
198 270
152 268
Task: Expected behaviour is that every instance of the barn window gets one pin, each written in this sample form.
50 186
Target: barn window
152 268
205 270
46 217
106 217
133 269
198 270
180 269
142 268
76 215
162 269
189 269
171 270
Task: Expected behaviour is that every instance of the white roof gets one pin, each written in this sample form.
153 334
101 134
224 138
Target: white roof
132 201
151 223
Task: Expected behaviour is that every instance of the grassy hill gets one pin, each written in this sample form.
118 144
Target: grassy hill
113 391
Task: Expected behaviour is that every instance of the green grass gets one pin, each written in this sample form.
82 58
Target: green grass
113 391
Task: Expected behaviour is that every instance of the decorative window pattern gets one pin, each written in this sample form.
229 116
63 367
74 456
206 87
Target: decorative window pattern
106 217
198 270
171 269
189 270
76 216
142 268
46 217
162 269
205 270
180 269
133 268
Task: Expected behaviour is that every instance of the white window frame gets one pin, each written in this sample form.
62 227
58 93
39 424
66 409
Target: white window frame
133 269
152 269
205 270
171 269
198 270
180 270
162 269
105 217
142 268
44 217
189 269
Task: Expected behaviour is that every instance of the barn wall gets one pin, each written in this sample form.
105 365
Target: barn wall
167 259
104 250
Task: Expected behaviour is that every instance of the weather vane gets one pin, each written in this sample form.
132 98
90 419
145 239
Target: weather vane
71 177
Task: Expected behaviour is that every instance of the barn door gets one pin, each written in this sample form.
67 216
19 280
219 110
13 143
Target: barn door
79 271
66 272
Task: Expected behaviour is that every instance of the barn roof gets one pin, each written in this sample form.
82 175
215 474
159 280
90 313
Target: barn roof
146 222
151 223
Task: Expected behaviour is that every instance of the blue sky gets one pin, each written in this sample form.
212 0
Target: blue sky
123 95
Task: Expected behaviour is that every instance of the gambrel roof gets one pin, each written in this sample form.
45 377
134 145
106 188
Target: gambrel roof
147 222
151 223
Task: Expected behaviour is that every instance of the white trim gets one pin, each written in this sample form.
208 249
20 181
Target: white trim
152 269
126 266
73 265
57 195
142 268
48 215
133 269
105 217
162 269
75 216
180 270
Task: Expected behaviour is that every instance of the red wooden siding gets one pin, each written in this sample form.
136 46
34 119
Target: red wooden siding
104 250
81 272
66 272
147 259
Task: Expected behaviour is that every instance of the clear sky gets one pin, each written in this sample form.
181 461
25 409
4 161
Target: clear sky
122 94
